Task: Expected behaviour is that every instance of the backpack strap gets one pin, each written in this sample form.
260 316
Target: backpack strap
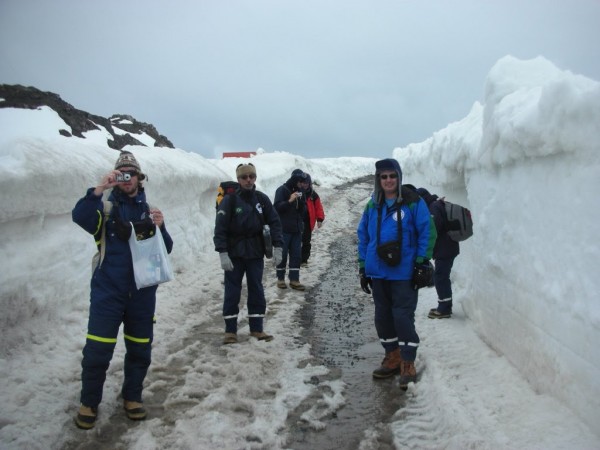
107 209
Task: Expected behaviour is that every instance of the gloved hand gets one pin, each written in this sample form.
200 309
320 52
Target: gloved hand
277 255
365 281
226 263
422 274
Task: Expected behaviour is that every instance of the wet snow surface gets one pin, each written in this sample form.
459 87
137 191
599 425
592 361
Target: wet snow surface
311 387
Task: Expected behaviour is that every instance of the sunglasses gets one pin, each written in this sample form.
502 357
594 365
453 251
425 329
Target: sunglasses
252 176
391 175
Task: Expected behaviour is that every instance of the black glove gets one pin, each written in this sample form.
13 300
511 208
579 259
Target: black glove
365 281
422 274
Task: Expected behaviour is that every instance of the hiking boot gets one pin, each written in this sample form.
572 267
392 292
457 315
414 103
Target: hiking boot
437 314
297 285
390 365
261 336
135 410
281 284
230 338
86 417
408 374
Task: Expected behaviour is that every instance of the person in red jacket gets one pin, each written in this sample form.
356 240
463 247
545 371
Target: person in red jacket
314 216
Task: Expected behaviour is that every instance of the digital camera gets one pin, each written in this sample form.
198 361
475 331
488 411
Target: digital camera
299 194
121 177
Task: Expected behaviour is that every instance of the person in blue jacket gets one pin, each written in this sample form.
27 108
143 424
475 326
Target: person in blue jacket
444 253
239 239
395 241
290 203
114 297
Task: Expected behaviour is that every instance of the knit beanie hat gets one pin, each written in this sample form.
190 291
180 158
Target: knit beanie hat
245 169
126 159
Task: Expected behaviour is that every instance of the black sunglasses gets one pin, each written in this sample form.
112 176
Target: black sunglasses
391 175
252 176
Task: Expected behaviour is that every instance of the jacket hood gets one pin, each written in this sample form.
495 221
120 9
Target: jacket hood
383 165
427 196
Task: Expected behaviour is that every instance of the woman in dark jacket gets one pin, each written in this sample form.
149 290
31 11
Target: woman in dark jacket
444 252
314 215
291 206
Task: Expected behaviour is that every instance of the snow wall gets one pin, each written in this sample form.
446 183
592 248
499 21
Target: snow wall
527 164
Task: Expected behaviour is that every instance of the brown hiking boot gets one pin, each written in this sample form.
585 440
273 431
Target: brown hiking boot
230 338
261 336
436 314
297 285
135 410
86 417
390 365
281 284
408 374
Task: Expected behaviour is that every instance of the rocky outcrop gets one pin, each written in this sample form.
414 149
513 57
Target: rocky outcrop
28 97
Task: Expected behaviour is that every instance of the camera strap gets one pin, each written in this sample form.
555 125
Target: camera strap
107 208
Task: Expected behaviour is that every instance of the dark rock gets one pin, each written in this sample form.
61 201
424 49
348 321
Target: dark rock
28 97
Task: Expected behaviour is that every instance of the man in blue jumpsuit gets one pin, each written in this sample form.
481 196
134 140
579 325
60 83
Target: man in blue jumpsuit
114 297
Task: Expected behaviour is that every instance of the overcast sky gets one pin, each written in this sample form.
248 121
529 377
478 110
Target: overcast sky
312 77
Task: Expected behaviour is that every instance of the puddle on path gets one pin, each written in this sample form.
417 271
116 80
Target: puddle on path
338 324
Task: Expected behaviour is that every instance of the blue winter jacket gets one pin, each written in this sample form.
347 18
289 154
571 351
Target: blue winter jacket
418 235
88 214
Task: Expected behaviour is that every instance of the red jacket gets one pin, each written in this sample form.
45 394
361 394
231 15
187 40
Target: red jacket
315 209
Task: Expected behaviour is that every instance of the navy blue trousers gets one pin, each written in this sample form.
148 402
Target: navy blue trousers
292 245
443 285
109 307
253 268
395 305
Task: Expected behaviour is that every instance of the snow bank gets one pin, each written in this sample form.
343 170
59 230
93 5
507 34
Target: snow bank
527 164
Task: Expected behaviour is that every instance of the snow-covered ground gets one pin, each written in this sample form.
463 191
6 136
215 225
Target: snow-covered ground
517 366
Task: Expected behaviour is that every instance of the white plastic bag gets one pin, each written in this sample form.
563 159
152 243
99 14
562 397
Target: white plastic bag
151 265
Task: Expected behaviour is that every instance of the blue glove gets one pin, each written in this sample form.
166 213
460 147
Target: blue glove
226 263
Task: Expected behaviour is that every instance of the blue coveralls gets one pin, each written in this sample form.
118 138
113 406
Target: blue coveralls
115 299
